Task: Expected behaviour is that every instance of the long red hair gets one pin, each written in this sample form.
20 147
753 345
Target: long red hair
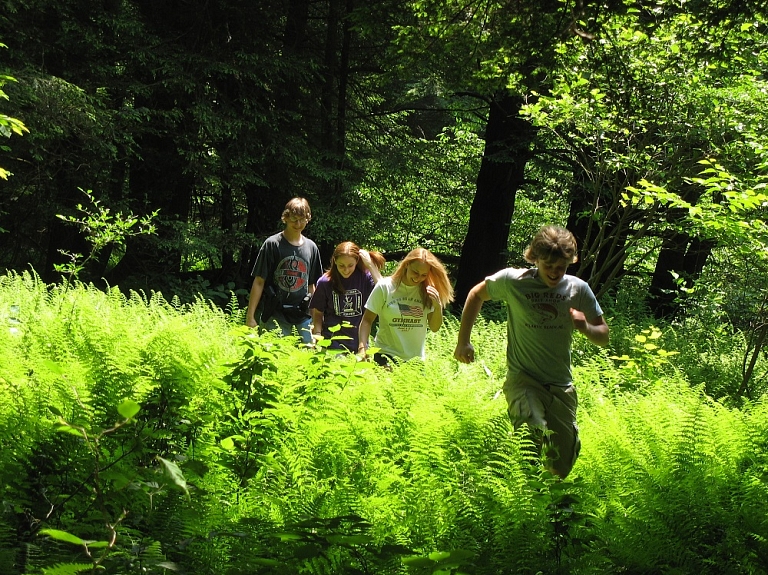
353 250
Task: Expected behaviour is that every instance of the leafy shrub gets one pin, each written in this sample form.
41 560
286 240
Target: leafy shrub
141 436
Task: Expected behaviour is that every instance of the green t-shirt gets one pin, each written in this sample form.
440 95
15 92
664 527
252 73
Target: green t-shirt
539 325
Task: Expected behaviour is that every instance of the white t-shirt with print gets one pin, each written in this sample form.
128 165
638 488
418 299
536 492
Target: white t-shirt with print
403 320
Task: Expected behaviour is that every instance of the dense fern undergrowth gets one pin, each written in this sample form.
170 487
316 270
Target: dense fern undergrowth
143 436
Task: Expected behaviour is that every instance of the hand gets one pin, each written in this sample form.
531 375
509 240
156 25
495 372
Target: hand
465 353
579 320
251 322
366 258
435 295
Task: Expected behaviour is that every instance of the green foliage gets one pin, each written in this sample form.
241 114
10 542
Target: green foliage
8 125
101 229
142 436
426 179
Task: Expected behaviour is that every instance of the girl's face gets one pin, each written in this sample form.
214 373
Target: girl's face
416 273
552 271
346 265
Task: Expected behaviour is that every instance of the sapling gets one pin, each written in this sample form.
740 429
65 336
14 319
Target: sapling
102 228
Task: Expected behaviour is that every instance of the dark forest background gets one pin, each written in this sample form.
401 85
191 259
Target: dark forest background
458 126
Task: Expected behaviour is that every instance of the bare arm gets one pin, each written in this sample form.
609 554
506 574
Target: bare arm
317 323
435 317
478 295
595 331
257 289
375 272
364 332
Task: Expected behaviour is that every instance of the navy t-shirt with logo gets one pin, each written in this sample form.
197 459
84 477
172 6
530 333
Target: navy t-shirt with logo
290 269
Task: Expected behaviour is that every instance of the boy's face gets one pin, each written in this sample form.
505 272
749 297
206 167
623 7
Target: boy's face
295 222
552 271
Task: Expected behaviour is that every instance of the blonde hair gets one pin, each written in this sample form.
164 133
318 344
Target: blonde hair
437 276
551 243
353 250
297 207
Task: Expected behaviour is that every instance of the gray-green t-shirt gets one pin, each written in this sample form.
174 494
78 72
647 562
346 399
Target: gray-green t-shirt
539 325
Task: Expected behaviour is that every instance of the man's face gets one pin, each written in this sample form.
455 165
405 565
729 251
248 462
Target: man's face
552 271
297 223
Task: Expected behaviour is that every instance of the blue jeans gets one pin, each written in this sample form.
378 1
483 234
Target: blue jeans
278 321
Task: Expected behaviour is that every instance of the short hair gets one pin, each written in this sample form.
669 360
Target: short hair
550 243
437 276
353 250
297 207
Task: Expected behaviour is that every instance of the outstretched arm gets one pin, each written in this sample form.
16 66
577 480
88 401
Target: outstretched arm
596 330
317 323
435 317
478 295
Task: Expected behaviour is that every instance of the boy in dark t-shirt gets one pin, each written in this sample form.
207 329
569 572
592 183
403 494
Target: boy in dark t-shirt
287 267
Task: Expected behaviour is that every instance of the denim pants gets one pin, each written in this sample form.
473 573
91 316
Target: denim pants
278 321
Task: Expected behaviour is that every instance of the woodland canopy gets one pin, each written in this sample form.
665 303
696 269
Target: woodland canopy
446 124
147 149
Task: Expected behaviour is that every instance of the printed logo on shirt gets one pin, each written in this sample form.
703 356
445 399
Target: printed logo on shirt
349 304
410 310
547 312
292 274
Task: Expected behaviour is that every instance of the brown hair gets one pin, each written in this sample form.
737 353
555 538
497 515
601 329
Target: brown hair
437 276
353 250
550 243
297 207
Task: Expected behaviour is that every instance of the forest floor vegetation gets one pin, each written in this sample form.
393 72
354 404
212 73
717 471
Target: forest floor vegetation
145 436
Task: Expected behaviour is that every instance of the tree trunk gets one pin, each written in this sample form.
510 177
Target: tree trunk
508 147
600 236
680 255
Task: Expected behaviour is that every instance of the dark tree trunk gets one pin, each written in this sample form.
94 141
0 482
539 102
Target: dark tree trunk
157 183
600 242
508 147
680 255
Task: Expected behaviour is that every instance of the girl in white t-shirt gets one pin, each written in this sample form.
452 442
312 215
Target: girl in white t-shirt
407 303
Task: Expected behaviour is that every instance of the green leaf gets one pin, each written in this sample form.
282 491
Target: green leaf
53 366
173 472
128 408
62 536
66 428
418 562
349 539
71 569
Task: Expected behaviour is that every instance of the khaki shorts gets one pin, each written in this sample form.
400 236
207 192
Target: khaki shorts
550 413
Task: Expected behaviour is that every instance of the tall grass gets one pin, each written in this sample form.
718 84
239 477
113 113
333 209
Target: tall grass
297 461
